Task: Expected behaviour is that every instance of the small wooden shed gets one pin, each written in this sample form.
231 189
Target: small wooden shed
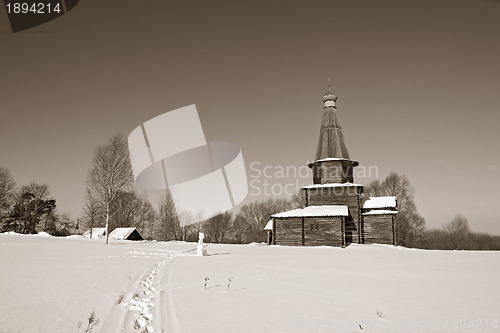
95 233
378 222
126 234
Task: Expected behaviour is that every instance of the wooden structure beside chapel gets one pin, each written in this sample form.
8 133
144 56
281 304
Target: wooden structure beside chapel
335 212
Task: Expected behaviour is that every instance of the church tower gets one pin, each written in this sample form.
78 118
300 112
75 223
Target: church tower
333 171
332 164
334 214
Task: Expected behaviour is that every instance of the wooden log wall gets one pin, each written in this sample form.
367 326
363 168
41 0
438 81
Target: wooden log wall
323 231
333 172
309 231
349 196
378 229
288 231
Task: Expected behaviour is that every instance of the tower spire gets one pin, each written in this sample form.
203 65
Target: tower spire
331 141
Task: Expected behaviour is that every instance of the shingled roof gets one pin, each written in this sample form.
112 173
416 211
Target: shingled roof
331 141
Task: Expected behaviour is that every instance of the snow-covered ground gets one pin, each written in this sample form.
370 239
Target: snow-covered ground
50 284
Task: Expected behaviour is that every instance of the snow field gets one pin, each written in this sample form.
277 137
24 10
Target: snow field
53 283
49 284
322 289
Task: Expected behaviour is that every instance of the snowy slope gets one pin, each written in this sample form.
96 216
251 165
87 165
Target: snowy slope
50 284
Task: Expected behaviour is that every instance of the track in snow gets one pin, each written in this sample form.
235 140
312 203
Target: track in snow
146 309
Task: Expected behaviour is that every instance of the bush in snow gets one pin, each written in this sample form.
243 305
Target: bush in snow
93 322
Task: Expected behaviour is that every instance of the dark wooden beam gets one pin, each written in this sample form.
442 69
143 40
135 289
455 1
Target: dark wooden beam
274 231
303 232
360 217
393 231
342 228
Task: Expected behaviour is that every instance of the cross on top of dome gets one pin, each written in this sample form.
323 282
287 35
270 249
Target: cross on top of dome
329 98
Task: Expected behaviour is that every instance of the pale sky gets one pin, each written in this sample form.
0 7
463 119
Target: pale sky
418 86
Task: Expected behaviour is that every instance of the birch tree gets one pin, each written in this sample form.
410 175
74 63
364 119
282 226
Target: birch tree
92 212
111 174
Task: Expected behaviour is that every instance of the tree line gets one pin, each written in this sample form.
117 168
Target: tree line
111 201
30 208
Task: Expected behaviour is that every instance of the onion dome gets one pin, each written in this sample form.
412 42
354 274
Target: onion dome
329 98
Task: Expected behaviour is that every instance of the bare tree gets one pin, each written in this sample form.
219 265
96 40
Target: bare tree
457 236
374 189
132 210
92 211
7 192
434 239
458 230
168 222
149 227
59 224
218 226
111 174
298 200
145 216
186 220
248 225
189 225
239 229
255 215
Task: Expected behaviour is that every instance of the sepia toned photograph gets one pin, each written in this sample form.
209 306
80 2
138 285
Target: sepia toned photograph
234 166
